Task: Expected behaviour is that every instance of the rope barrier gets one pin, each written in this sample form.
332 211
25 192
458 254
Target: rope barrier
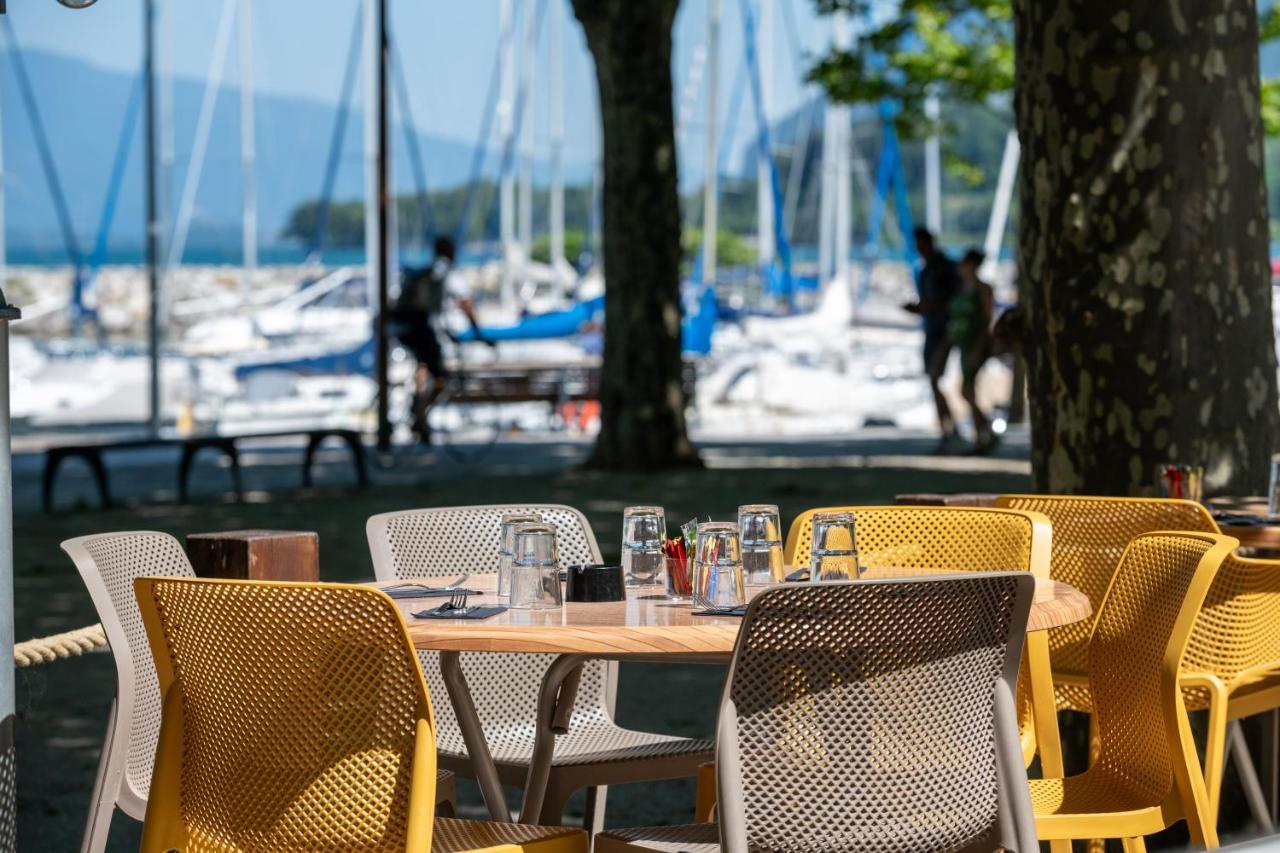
65 645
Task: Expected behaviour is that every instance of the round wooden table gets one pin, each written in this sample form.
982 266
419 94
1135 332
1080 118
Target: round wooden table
1247 520
645 627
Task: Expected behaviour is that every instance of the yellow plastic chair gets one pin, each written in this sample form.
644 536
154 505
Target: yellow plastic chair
961 539
295 718
1232 666
1089 536
1146 775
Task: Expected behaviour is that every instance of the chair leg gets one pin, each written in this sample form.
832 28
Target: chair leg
1138 844
97 825
1216 755
593 813
553 803
1248 777
704 807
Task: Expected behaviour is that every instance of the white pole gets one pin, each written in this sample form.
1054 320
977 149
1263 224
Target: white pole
506 127
843 222
204 125
711 184
248 152
796 169
826 199
164 68
933 168
555 49
528 56
8 765
1000 208
372 50
764 176
689 97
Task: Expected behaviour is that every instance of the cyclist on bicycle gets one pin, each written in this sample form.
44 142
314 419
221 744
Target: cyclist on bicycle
419 313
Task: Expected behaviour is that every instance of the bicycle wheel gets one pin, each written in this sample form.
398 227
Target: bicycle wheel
466 431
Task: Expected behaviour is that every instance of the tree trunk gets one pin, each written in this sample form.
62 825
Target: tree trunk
642 395
1143 255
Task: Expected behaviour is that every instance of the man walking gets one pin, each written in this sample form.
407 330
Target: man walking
939 282
418 312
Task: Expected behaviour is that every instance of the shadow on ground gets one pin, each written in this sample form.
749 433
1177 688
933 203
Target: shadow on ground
63 706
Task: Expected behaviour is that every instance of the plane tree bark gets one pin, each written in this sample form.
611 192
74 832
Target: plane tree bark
642 395
1143 252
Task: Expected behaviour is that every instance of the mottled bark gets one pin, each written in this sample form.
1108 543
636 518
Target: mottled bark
1143 257
642 396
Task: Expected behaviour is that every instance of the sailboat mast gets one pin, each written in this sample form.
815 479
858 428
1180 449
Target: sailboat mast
711 183
932 168
152 212
506 127
555 50
843 200
248 153
529 53
764 175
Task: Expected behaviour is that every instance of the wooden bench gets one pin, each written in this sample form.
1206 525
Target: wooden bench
190 446
533 382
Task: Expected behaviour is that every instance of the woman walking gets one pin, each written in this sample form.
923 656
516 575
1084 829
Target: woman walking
969 329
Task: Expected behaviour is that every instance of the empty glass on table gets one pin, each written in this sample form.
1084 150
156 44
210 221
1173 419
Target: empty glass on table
761 532
506 542
717 567
535 567
644 529
835 556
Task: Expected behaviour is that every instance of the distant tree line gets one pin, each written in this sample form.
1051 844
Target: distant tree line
972 160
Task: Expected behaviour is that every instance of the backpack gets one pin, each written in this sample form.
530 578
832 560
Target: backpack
423 289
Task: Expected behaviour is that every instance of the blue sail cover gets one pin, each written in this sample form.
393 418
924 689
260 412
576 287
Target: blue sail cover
313 362
553 324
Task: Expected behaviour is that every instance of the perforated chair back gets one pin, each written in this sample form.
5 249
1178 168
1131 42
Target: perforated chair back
109 564
948 539
1089 536
295 718
1237 633
876 716
957 539
446 542
1135 654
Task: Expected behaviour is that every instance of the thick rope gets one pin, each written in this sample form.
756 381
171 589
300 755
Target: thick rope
46 649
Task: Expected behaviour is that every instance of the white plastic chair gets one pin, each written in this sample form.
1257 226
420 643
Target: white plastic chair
109 563
595 751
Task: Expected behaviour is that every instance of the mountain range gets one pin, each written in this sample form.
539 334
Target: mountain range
83 106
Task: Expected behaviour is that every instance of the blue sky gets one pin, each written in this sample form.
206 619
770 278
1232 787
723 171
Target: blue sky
448 48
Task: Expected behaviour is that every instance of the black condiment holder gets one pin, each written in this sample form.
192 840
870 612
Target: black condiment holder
594 583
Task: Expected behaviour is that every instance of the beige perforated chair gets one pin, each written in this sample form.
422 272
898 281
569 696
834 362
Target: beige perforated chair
109 563
295 718
875 716
595 751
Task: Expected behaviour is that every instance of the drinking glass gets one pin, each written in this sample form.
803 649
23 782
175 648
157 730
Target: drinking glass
1273 490
535 567
644 529
1180 481
835 557
761 533
717 568
506 535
